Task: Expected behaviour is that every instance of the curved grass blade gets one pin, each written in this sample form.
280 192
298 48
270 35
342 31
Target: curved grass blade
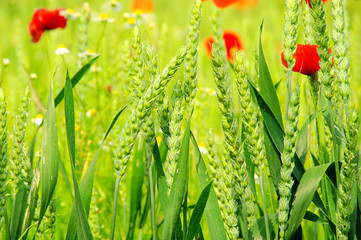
213 214
86 184
310 216
74 81
18 211
267 88
258 229
31 202
161 180
302 142
136 189
50 155
32 147
82 225
198 212
178 188
304 195
339 134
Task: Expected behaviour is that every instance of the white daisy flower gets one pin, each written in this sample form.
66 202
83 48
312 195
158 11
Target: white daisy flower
62 50
87 53
38 120
104 17
70 14
115 5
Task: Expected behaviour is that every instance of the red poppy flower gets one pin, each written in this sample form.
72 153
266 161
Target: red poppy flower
232 42
45 19
307 59
223 3
241 4
146 6
309 2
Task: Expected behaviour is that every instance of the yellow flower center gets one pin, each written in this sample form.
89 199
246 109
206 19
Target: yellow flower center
61 46
138 11
40 116
104 16
131 20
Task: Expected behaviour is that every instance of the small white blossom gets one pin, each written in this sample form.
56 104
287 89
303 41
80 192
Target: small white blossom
115 5
62 50
91 112
104 17
33 76
70 14
38 120
6 61
87 53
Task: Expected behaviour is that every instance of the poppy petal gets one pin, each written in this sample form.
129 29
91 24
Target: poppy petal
146 6
45 19
307 59
224 3
232 42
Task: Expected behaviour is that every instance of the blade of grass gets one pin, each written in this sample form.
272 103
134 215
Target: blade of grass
18 211
198 212
50 155
86 184
31 202
83 228
32 147
258 229
161 180
304 195
178 188
136 189
74 81
213 213
302 141
267 88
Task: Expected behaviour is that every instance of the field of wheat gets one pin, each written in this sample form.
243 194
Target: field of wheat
180 119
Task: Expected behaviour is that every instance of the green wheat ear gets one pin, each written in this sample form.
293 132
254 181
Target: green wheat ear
291 132
20 163
190 63
175 137
348 173
231 149
322 40
342 61
142 110
138 74
3 156
290 29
